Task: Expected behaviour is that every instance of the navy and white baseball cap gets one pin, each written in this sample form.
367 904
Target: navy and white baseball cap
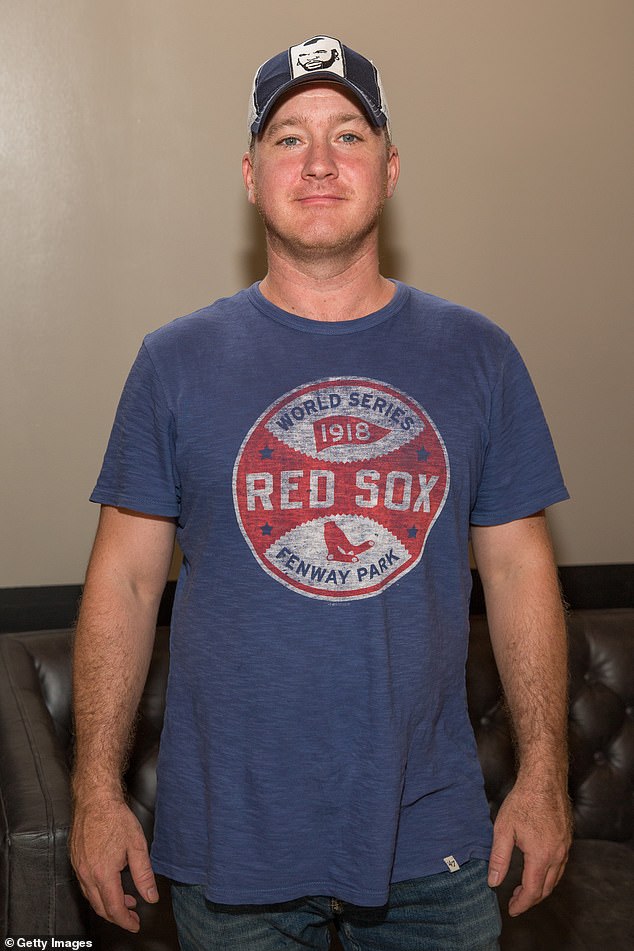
320 59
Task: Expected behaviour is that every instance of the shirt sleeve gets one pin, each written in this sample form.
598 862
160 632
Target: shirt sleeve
139 468
520 474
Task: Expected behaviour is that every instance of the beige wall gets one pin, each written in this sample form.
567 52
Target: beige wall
122 128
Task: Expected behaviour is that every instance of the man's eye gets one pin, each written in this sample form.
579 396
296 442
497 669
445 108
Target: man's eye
350 137
289 141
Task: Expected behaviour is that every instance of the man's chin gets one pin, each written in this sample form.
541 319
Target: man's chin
320 244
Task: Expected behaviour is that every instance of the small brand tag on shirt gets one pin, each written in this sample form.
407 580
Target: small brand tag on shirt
451 863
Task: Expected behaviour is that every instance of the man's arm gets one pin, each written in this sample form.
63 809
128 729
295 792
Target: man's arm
113 646
527 626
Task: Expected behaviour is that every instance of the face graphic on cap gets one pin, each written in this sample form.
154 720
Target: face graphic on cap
321 52
317 59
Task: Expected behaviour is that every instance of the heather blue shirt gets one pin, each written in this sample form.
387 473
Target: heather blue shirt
323 477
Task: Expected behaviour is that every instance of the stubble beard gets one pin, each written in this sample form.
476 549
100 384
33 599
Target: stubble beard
305 247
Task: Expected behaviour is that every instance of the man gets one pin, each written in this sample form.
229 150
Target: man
323 444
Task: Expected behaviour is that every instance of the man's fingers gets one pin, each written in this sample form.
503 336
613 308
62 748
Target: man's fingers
92 895
527 894
141 871
500 859
538 881
553 875
116 907
108 900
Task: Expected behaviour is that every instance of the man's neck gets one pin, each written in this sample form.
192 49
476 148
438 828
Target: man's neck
327 290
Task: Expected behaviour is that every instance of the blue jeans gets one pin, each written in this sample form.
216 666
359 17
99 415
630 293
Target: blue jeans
451 911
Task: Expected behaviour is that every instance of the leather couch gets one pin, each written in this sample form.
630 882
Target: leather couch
593 907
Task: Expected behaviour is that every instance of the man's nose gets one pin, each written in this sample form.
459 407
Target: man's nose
320 161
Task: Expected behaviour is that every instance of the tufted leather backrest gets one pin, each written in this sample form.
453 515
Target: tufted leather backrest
602 723
601 720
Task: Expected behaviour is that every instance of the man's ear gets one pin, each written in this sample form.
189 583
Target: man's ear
393 169
247 175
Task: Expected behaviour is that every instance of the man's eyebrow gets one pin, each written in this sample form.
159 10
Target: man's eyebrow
294 121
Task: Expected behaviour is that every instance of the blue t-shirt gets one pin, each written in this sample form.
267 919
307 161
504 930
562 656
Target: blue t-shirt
323 477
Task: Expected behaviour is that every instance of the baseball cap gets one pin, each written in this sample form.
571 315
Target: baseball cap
319 59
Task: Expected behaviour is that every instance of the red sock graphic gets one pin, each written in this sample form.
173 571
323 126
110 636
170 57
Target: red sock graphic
340 548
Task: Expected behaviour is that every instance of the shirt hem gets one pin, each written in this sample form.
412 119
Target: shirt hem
280 895
503 516
147 506
320 887
459 856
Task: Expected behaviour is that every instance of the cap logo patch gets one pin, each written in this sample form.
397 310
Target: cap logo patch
337 486
321 52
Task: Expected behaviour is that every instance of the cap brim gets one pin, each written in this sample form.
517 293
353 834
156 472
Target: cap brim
377 118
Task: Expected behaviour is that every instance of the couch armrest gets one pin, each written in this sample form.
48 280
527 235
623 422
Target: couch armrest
38 892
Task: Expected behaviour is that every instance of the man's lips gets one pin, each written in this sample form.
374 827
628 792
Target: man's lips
319 199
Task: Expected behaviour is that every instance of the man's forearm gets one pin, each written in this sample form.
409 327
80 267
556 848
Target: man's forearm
528 633
113 642
113 646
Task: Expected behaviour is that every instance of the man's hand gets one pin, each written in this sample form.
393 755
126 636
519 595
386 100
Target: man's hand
538 821
105 837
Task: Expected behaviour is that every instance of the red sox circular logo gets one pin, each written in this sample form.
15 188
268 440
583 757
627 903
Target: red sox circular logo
337 486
